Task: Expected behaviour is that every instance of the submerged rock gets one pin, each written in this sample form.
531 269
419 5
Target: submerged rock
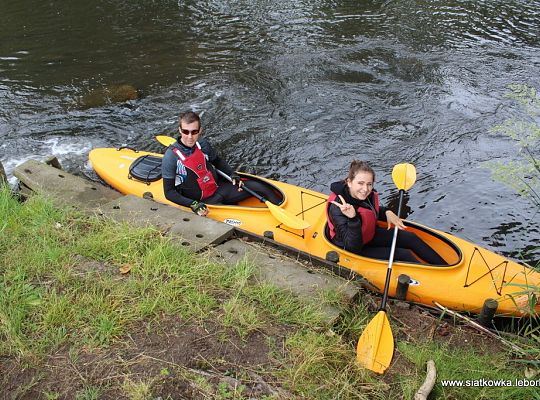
108 95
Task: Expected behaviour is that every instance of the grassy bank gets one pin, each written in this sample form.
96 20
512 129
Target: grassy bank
92 309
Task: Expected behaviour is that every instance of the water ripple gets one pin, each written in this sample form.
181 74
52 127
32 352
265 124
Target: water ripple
288 89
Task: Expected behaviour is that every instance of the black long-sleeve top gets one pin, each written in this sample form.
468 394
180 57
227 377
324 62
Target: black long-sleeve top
349 230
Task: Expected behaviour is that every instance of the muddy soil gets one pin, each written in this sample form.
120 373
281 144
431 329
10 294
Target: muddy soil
168 361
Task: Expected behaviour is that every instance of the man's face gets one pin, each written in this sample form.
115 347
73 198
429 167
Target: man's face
189 133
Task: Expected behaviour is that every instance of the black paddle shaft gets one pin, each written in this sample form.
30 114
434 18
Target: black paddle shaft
391 259
244 187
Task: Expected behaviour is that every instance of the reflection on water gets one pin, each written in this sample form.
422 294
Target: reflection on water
288 89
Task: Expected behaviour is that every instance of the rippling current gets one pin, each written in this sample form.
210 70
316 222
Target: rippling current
292 90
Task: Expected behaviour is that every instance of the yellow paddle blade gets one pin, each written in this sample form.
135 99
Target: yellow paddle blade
286 218
165 140
404 176
375 347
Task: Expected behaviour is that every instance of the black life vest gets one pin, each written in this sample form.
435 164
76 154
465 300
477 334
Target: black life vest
368 216
196 162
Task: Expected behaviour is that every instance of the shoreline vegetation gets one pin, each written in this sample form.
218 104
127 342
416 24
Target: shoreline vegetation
93 309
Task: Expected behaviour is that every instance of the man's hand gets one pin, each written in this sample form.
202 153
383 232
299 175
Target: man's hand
236 179
199 208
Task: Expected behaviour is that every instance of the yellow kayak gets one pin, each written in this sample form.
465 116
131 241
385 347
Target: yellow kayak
474 274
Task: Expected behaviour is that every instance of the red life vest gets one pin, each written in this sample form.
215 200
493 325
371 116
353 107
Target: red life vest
367 215
196 162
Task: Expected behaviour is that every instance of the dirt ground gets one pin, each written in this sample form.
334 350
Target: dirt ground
170 360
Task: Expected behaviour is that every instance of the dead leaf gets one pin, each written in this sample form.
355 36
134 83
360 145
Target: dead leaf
524 301
124 269
530 372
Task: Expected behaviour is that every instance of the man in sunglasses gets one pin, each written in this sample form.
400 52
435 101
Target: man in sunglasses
189 172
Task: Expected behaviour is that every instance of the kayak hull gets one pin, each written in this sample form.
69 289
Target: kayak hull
474 274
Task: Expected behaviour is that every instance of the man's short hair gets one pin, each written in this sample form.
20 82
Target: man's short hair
188 117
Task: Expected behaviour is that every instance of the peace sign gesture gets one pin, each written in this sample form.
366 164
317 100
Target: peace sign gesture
346 209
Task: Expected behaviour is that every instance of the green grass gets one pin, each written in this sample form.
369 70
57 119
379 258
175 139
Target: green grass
88 393
322 366
137 390
463 364
61 287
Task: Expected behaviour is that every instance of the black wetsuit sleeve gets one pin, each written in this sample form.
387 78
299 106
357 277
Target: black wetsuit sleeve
382 213
173 195
348 230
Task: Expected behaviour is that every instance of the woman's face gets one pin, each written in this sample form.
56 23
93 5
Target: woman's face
361 185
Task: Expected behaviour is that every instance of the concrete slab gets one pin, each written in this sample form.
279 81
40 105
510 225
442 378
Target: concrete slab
186 228
308 283
63 187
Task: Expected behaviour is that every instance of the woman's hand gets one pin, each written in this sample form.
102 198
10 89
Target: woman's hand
346 208
393 219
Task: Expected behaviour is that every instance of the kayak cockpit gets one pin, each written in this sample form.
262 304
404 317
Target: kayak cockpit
444 247
253 201
447 249
147 169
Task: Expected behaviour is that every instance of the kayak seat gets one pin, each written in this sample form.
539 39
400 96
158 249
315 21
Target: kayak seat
146 169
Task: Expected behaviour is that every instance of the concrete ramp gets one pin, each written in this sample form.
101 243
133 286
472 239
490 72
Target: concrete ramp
309 283
65 189
188 229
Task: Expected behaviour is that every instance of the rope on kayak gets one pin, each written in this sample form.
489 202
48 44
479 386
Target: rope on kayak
304 210
498 288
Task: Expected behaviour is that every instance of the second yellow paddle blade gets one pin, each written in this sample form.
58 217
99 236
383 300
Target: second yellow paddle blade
165 140
375 347
404 176
286 218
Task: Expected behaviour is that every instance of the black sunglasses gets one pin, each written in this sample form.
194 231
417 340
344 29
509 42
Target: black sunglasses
192 132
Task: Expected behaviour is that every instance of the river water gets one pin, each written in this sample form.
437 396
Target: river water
292 90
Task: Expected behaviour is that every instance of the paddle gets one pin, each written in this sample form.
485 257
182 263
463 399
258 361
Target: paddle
283 216
375 347
165 140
